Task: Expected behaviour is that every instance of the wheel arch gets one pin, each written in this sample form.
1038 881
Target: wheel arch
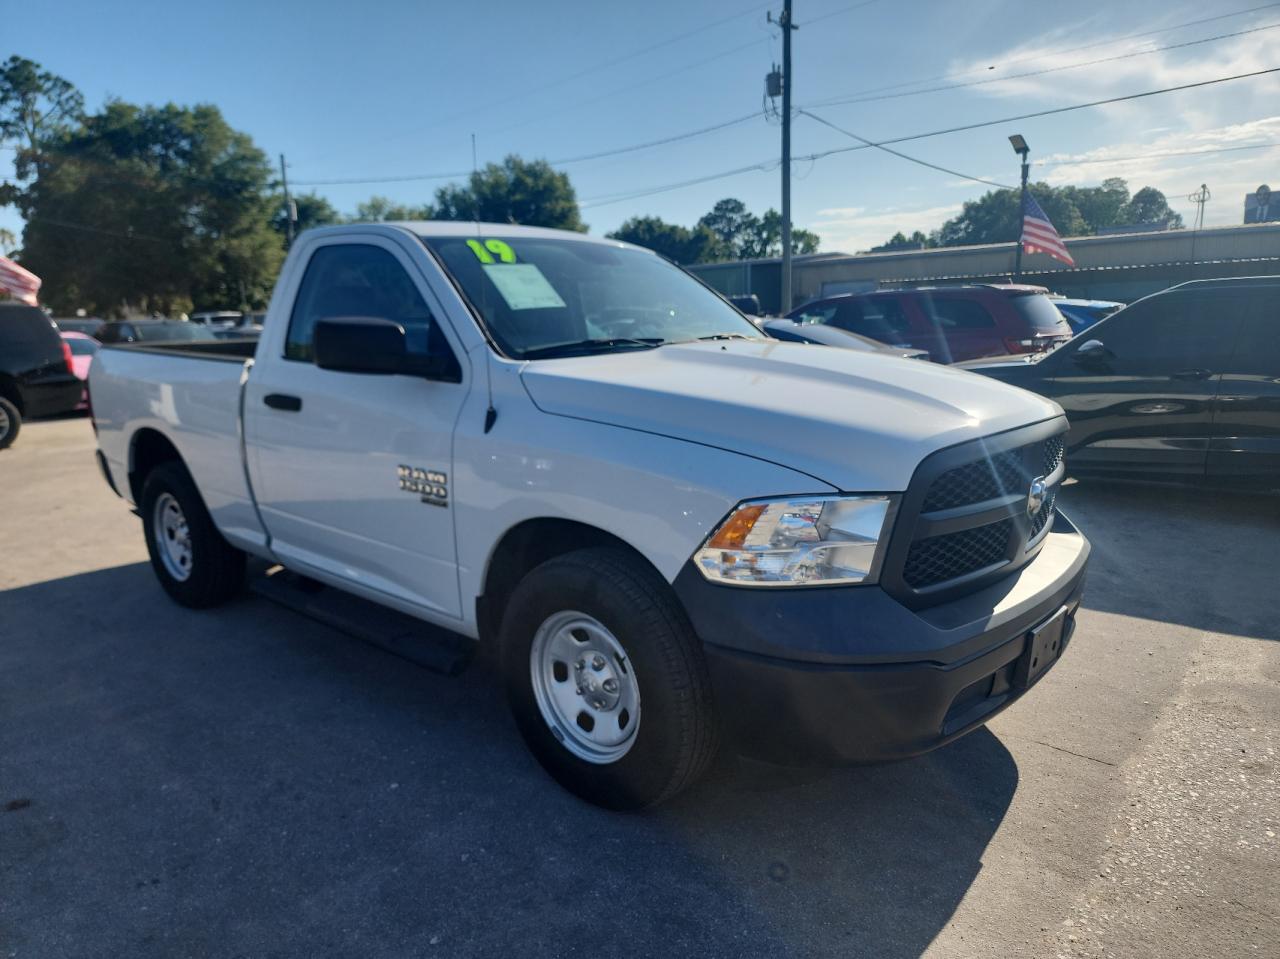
148 448
527 545
10 390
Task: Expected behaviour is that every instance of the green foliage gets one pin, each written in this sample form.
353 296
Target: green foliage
152 208
528 192
741 235
1150 206
378 209
900 241
36 107
677 243
313 210
996 217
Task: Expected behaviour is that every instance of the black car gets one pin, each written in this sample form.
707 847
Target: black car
36 376
1183 385
89 326
794 332
154 331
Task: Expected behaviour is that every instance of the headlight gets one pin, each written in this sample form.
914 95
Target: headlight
813 540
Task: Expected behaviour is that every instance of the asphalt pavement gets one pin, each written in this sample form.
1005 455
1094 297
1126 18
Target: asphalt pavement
243 782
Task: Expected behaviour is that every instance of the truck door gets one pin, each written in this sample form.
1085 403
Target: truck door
352 470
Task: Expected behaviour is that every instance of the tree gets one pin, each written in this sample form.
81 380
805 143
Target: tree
313 210
7 241
677 243
152 208
900 241
521 191
735 228
377 209
1102 206
1150 206
36 107
766 239
996 217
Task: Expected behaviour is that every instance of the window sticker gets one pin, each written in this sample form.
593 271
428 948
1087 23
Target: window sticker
486 251
523 286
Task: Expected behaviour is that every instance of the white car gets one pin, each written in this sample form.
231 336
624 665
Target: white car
670 526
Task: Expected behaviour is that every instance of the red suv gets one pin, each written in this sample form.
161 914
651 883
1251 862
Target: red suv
952 322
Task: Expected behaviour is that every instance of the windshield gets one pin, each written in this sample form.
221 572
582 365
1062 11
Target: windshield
545 297
172 331
1040 313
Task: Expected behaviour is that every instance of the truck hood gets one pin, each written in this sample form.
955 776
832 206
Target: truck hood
856 421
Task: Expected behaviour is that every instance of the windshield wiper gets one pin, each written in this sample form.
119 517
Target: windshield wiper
583 347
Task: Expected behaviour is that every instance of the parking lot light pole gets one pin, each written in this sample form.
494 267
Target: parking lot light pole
1020 147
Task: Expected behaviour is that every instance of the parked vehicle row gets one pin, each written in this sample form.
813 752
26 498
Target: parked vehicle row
670 527
950 323
37 369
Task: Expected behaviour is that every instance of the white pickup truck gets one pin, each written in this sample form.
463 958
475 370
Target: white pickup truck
671 527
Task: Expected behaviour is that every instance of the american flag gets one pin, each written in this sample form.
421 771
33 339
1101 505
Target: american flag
1038 234
19 283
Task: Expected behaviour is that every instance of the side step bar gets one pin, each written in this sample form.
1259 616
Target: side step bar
422 643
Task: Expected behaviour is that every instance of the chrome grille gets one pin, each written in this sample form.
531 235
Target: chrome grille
1053 448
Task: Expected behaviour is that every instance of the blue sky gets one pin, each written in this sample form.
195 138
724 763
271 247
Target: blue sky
395 88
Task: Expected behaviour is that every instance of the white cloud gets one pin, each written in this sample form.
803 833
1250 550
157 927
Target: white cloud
852 228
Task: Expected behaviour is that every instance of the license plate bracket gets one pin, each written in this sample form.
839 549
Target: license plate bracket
1044 646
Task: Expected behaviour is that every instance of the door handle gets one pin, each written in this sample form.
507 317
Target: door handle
283 401
1193 374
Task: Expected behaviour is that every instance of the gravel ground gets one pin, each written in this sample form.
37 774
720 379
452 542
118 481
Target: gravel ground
244 782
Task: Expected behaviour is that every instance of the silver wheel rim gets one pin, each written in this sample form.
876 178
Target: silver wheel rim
172 536
585 687
4 423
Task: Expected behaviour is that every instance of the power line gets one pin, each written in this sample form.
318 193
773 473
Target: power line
765 165
1086 46
1149 156
904 156
1039 73
601 154
835 13
1051 112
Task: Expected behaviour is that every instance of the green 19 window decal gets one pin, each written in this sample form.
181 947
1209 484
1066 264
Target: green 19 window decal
486 251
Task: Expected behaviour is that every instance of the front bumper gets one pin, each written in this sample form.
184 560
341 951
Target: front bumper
830 675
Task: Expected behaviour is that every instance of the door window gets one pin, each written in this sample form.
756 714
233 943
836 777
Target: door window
881 320
1172 332
1258 345
358 279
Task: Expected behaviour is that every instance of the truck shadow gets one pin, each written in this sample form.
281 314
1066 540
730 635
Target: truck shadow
246 780
1196 557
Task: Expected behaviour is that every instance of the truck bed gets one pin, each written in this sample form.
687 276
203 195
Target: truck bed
188 395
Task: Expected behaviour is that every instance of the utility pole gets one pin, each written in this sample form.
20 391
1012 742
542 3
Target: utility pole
1200 198
787 26
1020 147
290 211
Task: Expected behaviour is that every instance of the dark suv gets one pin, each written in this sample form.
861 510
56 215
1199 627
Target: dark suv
952 323
1183 385
36 375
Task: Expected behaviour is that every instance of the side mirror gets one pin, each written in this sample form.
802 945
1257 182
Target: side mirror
1092 352
373 344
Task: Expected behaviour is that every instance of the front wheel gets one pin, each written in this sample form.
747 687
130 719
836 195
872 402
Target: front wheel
194 564
10 423
607 681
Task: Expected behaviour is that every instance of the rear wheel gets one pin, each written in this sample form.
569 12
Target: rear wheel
606 679
10 423
194 564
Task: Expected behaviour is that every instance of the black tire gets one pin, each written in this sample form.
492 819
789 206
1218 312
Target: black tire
10 423
677 733
216 570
